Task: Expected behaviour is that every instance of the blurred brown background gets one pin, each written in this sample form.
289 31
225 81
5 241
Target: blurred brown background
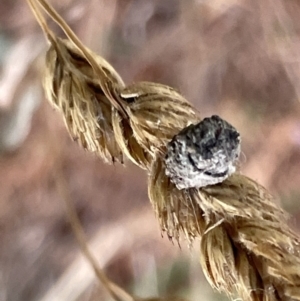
239 59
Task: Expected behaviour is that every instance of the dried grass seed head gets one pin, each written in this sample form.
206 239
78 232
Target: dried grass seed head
218 263
128 143
71 86
176 211
156 113
246 245
202 154
237 196
189 210
265 259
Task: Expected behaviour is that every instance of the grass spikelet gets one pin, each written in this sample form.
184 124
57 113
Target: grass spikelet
176 211
246 246
238 196
156 113
266 256
248 278
70 85
82 85
218 263
128 143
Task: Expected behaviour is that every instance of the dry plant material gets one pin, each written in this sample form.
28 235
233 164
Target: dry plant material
247 248
70 85
169 298
155 114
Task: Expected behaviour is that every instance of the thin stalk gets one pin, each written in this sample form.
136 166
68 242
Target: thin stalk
116 292
75 40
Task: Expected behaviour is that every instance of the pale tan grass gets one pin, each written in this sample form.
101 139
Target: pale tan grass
247 247
156 113
71 87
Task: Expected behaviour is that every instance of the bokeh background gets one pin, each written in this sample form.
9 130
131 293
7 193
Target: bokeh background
239 59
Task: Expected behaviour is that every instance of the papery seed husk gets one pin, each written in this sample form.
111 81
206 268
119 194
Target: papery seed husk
232 217
71 86
249 285
255 226
218 263
128 143
261 249
237 196
176 211
156 112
